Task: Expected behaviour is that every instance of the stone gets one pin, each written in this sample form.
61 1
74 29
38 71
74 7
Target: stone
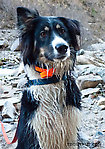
81 52
14 83
88 81
101 118
1 63
21 68
83 137
22 82
103 79
8 120
101 101
3 44
102 107
7 72
95 112
98 133
82 59
96 143
1 89
8 110
90 68
97 46
12 100
17 106
7 128
89 91
7 92
15 45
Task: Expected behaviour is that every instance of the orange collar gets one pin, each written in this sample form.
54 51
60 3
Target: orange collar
44 72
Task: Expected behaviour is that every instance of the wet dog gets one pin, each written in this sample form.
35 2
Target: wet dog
50 105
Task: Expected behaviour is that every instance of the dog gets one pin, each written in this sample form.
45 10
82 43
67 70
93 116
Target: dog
51 102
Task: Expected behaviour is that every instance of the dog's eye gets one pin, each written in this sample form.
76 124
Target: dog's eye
43 34
62 30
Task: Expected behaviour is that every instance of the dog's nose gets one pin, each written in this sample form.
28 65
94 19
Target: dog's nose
62 49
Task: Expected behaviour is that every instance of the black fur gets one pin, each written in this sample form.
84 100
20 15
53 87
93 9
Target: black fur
31 27
27 139
73 95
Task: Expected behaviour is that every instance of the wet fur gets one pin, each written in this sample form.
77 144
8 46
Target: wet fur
50 114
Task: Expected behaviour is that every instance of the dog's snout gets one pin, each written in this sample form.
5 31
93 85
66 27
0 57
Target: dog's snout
62 49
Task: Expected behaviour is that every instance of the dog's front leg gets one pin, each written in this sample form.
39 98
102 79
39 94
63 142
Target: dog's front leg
27 137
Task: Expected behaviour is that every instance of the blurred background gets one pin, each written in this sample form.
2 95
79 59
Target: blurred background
90 13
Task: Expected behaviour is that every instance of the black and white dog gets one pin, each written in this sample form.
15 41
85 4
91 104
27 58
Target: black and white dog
50 105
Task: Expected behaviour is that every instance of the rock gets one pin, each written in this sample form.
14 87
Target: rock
101 118
21 68
103 79
102 107
89 91
6 89
97 46
22 82
90 68
3 44
5 96
8 110
81 52
15 45
88 81
95 112
17 106
101 101
12 100
7 92
7 72
98 134
84 138
7 128
14 83
8 120
82 59
1 89
96 143
1 63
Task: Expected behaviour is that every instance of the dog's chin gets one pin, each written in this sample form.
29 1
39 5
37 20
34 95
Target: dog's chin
54 61
61 58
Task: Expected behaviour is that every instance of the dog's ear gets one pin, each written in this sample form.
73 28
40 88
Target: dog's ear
76 27
74 31
78 33
25 16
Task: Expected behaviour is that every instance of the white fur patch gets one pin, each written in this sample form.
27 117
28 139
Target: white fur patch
31 73
55 124
58 40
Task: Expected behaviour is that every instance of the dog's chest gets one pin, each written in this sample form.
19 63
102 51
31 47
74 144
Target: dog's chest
50 96
52 119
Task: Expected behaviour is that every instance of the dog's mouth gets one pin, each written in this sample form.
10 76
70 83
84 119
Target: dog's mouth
53 59
61 57
46 59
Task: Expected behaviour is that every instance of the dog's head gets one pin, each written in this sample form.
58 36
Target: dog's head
47 40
